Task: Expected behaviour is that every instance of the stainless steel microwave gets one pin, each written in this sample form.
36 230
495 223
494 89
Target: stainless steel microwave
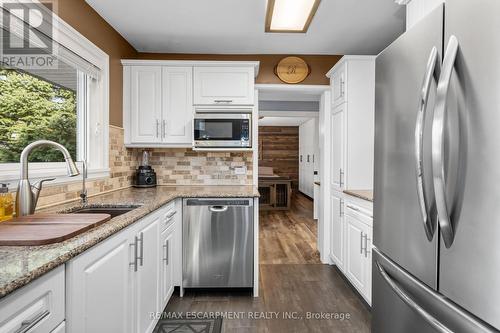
222 130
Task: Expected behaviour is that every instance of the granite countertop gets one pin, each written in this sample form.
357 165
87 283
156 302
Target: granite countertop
19 265
362 194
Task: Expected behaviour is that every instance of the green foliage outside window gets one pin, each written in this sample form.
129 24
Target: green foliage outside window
33 109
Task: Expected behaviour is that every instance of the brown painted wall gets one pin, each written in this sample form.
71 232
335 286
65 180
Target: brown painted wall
89 23
319 64
279 149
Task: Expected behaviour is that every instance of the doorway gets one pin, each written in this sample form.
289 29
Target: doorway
288 168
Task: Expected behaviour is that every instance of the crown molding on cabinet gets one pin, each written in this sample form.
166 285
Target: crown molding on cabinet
349 57
197 63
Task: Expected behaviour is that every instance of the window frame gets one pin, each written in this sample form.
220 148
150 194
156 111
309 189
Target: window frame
97 116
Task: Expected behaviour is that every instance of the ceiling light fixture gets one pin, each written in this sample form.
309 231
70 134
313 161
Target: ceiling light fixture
290 15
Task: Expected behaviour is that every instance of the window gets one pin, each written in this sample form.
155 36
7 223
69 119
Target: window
35 106
66 103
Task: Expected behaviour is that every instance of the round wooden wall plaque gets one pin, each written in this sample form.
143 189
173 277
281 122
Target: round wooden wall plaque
292 70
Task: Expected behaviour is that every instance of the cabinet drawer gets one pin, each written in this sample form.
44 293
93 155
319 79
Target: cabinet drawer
170 213
37 307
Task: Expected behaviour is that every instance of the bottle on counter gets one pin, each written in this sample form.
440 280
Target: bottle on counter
6 203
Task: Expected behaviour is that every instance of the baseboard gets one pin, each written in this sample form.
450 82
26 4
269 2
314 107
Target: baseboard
361 298
307 196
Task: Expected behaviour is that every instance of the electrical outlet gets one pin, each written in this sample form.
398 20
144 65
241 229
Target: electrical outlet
240 170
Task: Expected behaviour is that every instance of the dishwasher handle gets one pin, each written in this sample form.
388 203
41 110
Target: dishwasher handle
217 209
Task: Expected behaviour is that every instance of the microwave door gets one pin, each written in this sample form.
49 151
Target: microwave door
216 129
221 132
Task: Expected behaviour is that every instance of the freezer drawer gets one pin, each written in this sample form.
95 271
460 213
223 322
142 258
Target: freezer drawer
401 303
218 243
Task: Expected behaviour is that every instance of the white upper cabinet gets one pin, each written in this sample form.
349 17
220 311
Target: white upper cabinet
337 144
159 97
145 104
158 106
338 84
177 105
418 9
352 82
224 85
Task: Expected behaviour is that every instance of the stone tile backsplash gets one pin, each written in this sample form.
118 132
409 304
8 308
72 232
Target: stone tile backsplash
178 166
173 166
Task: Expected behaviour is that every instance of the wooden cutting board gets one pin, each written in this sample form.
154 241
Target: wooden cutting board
43 229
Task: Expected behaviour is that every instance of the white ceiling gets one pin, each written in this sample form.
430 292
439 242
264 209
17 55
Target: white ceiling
282 121
237 26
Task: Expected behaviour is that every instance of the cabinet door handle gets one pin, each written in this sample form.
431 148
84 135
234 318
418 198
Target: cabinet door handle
171 214
141 256
157 128
27 325
341 212
353 208
361 242
134 244
308 158
165 246
366 246
164 128
341 177
342 86
301 158
223 100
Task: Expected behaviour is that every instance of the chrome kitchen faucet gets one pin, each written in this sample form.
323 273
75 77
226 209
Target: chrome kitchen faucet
27 193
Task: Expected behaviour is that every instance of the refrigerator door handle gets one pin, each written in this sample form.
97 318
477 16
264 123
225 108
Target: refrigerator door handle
411 303
433 71
437 142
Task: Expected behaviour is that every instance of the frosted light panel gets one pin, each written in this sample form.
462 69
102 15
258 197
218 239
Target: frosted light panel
291 14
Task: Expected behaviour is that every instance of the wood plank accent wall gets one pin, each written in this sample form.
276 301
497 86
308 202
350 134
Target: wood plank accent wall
279 149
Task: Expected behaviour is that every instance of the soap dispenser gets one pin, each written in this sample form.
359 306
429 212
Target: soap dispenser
6 203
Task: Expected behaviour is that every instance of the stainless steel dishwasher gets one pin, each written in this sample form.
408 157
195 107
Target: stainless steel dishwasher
217 243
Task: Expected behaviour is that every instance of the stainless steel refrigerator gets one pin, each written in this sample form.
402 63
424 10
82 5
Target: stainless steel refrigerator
436 261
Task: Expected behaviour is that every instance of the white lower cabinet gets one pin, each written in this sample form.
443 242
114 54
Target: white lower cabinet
337 231
146 279
37 307
358 265
167 243
117 285
99 287
351 242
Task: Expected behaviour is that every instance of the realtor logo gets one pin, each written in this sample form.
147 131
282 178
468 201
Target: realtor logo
27 35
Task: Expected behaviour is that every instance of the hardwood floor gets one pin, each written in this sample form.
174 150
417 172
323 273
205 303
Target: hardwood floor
293 283
289 237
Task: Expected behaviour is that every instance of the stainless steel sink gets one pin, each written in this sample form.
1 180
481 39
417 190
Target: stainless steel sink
111 210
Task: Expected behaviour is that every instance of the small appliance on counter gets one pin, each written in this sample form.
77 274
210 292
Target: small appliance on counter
145 176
